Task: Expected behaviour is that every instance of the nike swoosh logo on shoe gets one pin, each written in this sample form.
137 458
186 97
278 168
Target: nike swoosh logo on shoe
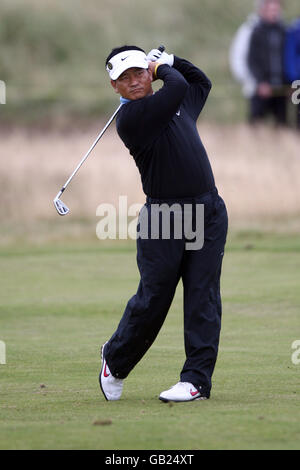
105 373
193 393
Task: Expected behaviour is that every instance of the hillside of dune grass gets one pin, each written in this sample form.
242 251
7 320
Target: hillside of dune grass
52 53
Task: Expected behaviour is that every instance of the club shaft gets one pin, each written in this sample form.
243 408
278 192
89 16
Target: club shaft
88 152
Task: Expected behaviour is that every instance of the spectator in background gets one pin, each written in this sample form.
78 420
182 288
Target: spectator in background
238 55
292 57
266 64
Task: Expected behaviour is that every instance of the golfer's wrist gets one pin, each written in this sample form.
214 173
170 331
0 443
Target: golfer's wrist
155 70
158 70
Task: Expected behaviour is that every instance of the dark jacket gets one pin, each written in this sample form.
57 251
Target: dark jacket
161 134
266 53
292 52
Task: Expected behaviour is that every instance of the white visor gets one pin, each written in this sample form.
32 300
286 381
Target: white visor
126 60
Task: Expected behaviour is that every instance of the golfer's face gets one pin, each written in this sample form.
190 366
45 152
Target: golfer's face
134 83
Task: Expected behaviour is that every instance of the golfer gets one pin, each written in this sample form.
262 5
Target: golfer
159 129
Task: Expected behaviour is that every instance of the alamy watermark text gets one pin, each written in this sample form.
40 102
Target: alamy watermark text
2 92
296 94
296 354
2 352
152 221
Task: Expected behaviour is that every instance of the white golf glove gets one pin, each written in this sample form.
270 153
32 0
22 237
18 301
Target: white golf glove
162 57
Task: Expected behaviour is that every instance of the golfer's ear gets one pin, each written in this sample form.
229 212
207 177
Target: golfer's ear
114 85
150 70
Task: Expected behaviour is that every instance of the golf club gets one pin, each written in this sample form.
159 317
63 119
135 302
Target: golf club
59 205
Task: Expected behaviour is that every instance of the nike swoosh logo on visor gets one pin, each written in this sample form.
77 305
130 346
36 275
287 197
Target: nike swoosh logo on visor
125 58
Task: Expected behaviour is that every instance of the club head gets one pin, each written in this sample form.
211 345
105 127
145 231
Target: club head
61 207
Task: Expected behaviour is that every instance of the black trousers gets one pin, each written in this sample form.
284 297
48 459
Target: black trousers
276 106
162 263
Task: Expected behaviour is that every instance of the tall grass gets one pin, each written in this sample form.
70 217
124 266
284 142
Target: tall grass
256 170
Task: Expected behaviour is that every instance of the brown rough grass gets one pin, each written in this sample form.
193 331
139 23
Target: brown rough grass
256 170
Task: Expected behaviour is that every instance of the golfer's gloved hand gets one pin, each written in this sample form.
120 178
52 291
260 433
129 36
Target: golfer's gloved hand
161 57
154 55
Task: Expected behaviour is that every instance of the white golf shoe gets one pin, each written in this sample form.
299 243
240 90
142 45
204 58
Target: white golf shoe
182 391
110 386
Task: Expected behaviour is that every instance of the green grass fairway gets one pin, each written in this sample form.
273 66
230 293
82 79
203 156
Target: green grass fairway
60 303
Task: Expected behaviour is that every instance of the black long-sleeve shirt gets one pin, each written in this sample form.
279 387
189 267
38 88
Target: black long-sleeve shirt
161 134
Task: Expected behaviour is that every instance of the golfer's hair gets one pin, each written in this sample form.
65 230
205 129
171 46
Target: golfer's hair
117 50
